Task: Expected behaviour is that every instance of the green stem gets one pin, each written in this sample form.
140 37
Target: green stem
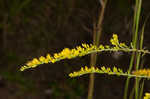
141 91
132 93
135 42
135 37
136 88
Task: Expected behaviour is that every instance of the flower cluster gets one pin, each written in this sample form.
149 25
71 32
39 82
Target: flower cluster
64 54
35 62
142 72
114 41
86 70
147 96
145 73
79 51
83 71
67 53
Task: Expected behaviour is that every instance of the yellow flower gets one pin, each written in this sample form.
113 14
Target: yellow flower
123 45
101 47
23 68
49 58
114 40
35 61
107 47
85 45
142 72
42 59
147 96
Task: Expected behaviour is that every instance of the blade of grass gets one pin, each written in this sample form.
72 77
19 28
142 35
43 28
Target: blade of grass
132 56
141 44
141 91
134 40
132 93
139 55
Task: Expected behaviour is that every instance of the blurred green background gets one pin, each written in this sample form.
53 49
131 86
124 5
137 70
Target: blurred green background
31 28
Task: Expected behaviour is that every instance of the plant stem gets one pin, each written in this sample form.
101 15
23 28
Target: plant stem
141 91
134 40
96 38
138 54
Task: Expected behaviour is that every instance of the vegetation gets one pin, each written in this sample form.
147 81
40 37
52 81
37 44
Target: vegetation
70 31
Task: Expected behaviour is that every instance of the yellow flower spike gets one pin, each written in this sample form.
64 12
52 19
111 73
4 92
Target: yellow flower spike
113 71
83 50
93 69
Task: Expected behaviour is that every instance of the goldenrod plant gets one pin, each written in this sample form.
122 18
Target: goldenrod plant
79 51
135 48
86 49
142 73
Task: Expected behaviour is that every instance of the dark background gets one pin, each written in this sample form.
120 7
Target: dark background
33 28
